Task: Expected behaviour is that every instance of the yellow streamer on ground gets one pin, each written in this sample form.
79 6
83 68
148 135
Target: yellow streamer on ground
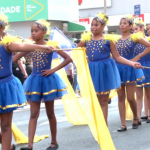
20 138
72 107
91 105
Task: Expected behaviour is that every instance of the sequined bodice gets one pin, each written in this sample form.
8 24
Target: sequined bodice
41 61
126 48
5 63
139 49
98 50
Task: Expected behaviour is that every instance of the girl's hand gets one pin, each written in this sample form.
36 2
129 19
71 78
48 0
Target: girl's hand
48 72
135 59
136 65
49 49
26 76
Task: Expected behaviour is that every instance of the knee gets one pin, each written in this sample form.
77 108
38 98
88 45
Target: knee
130 99
148 97
5 127
34 115
121 98
139 96
104 102
50 115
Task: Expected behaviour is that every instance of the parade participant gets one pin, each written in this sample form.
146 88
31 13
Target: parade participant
103 69
145 61
43 83
11 91
129 75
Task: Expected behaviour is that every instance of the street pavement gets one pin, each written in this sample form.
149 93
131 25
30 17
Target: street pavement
72 137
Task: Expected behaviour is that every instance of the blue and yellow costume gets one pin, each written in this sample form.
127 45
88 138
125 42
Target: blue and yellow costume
37 86
102 67
11 90
128 74
145 61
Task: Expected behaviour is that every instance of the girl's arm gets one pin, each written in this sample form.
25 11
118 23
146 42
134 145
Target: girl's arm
145 52
120 59
19 47
67 60
22 68
81 44
18 56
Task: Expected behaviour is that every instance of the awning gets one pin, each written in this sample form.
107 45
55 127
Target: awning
76 27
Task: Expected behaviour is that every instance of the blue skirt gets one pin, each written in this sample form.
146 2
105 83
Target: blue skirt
11 94
105 76
129 75
146 81
48 88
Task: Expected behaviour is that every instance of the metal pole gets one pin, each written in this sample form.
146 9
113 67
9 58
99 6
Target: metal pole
105 11
105 7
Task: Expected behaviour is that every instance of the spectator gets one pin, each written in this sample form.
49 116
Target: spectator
69 72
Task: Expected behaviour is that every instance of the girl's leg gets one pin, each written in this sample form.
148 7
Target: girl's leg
139 100
52 121
6 119
147 95
130 89
103 100
145 105
121 104
34 114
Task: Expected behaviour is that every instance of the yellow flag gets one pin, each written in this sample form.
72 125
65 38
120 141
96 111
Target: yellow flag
91 105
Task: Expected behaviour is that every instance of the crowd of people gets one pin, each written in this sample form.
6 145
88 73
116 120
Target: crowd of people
122 72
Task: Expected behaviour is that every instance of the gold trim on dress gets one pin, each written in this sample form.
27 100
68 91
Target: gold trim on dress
136 80
142 84
46 93
105 93
13 105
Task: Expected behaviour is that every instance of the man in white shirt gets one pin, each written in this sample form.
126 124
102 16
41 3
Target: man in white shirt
69 72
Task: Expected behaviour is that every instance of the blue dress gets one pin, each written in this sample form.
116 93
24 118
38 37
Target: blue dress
11 90
128 74
103 69
38 87
145 61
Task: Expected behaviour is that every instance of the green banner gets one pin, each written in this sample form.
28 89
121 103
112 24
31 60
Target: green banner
24 10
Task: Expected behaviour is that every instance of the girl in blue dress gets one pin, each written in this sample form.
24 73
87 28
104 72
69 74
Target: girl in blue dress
102 67
145 84
43 84
129 76
11 91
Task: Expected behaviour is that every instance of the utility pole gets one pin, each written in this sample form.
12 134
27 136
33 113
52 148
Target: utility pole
105 11
105 7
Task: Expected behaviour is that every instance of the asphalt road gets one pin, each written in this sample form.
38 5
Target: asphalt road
79 137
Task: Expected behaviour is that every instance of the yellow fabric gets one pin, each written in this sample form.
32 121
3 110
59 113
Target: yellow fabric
9 39
88 110
148 39
72 107
90 103
20 138
112 37
86 36
136 36
103 17
52 43
129 114
45 23
112 94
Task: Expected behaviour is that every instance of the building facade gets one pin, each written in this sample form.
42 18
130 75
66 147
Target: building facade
22 14
116 9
